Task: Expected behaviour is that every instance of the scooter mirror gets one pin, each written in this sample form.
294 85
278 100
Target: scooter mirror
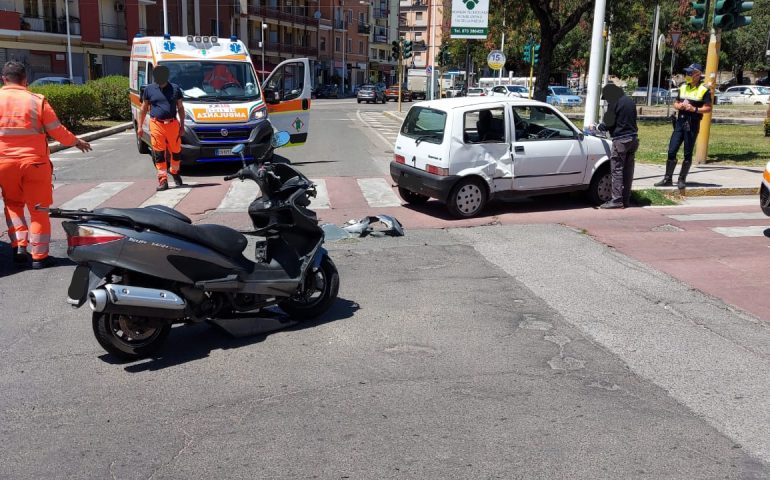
280 139
238 149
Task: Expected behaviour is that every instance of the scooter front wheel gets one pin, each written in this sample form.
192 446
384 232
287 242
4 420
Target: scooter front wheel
128 337
318 294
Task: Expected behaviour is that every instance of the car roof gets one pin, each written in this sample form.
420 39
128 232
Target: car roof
464 102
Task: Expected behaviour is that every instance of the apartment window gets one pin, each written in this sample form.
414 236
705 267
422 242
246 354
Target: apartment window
349 17
214 30
360 47
383 55
350 44
273 36
418 36
337 44
287 37
418 16
373 53
323 44
30 8
361 17
272 3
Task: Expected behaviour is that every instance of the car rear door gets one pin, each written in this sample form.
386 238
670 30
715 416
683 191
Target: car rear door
548 152
287 93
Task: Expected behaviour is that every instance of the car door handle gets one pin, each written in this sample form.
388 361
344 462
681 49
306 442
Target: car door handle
518 149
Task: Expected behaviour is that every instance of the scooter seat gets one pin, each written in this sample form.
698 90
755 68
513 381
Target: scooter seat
218 237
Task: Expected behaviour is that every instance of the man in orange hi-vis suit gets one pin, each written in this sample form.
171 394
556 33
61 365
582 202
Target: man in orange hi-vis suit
26 172
163 101
220 76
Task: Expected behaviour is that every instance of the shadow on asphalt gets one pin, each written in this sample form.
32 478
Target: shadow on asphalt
7 267
545 203
189 343
220 169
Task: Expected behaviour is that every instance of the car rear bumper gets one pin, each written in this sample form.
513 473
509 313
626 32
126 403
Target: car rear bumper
421 182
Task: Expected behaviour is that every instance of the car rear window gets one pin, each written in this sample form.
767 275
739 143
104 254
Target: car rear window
426 124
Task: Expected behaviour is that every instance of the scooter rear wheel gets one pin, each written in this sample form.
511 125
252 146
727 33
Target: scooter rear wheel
126 337
321 288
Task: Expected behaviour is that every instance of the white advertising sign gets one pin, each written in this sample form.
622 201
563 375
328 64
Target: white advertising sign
470 19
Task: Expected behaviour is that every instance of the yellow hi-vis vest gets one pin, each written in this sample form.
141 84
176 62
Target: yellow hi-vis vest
693 94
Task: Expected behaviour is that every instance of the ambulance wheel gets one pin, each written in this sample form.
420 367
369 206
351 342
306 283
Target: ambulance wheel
129 337
141 146
468 198
412 198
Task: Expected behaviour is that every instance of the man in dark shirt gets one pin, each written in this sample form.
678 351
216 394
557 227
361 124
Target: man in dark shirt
620 120
692 101
163 101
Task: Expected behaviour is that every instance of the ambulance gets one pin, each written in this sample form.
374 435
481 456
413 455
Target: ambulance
223 100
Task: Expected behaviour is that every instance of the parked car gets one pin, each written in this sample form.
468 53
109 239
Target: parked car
510 91
51 81
370 93
391 93
659 95
476 92
746 95
462 152
563 97
328 91
456 91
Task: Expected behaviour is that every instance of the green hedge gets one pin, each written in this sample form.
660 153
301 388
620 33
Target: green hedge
73 104
113 97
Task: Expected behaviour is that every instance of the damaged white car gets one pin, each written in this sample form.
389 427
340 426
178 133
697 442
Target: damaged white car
466 151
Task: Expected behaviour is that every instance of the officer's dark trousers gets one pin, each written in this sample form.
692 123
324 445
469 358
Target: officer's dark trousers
684 132
622 162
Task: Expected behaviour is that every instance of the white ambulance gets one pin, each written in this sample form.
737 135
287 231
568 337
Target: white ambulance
224 103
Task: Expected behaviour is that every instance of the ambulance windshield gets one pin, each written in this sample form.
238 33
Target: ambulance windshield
217 80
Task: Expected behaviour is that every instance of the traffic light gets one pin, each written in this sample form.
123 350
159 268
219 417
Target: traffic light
740 20
407 49
701 7
723 14
443 56
536 54
528 54
396 49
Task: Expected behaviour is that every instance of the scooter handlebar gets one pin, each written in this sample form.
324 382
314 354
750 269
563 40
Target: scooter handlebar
234 175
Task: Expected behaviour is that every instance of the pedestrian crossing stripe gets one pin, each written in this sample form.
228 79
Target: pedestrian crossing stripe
751 231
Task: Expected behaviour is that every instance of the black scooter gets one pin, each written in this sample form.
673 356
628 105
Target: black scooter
143 269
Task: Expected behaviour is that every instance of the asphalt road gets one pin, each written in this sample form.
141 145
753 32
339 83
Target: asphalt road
506 351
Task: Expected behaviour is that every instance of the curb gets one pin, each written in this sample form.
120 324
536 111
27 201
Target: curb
56 146
703 191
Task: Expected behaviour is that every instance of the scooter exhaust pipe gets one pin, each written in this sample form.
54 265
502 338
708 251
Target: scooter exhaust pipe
131 300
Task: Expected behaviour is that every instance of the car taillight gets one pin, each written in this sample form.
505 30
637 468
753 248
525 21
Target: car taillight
399 159
91 236
436 170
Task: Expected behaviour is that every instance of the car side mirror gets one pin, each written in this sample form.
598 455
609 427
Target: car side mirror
581 136
272 96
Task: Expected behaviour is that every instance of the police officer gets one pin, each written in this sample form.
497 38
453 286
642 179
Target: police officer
692 101
620 120
163 101
25 167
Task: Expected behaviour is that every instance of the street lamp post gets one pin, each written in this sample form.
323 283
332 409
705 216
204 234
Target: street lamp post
69 45
344 45
263 51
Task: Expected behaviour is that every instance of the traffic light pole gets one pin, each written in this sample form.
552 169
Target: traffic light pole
712 65
400 81
531 68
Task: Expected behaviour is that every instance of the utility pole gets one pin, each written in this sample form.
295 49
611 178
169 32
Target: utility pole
651 77
502 48
594 66
69 46
433 50
712 65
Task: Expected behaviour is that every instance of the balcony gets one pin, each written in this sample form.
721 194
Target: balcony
274 13
284 48
365 28
112 32
380 39
50 25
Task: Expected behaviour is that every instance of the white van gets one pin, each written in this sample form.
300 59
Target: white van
466 151
224 104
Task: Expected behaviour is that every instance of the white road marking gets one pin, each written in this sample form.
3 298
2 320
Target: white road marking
378 193
695 217
753 231
168 198
321 200
96 196
239 196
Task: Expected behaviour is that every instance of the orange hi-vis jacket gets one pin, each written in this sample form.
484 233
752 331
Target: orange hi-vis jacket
25 119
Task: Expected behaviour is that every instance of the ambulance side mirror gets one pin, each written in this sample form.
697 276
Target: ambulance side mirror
271 96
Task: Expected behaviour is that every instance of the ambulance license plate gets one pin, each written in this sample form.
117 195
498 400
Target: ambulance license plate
224 152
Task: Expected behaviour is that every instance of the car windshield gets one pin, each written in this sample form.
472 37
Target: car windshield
514 88
367 87
562 91
208 80
425 124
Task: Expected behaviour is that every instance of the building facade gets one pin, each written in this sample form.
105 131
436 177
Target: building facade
418 20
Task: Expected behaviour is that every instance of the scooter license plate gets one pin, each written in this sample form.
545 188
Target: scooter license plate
224 152
78 289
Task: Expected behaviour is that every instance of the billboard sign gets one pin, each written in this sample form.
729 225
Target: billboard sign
470 19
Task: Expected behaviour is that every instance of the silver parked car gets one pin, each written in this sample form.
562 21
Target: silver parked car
371 93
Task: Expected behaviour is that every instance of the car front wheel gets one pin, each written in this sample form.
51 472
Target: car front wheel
600 190
468 198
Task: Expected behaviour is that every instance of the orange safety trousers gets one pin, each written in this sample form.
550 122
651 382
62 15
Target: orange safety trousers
164 137
27 182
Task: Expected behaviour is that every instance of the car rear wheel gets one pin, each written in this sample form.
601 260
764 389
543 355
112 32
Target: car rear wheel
467 198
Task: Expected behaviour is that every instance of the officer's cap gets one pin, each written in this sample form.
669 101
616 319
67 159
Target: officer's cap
693 67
